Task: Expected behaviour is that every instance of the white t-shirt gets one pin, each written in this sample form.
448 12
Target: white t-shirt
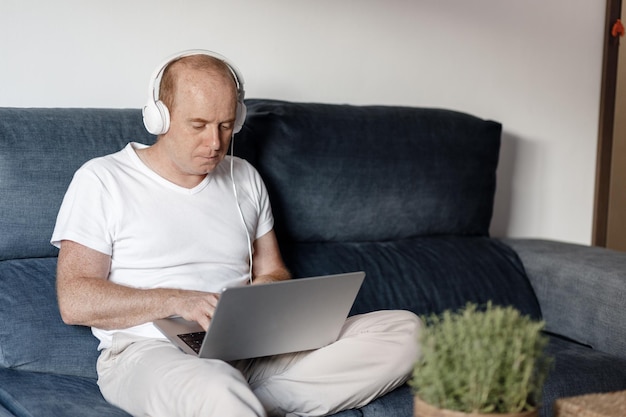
161 235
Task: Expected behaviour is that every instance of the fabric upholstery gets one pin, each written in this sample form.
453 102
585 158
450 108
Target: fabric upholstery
399 400
32 335
373 173
424 275
350 413
33 394
581 290
5 413
579 370
40 149
397 403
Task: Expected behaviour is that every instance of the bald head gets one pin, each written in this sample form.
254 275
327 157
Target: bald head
179 69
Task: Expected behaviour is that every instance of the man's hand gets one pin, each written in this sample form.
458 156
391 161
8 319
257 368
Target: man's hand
196 306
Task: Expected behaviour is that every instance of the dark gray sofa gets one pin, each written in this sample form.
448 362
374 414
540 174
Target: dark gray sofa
405 194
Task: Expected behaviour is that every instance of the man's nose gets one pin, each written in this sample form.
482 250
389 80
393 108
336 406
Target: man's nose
212 138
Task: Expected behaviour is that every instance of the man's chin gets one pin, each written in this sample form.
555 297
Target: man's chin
209 166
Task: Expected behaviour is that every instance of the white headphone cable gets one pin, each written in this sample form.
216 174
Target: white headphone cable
243 220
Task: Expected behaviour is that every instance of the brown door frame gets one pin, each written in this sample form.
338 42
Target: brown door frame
607 118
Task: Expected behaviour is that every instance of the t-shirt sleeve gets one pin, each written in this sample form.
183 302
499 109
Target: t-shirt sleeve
85 213
261 200
266 219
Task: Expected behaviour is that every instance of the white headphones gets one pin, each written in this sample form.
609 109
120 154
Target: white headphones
156 116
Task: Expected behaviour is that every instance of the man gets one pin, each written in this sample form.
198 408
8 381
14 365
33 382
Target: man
152 232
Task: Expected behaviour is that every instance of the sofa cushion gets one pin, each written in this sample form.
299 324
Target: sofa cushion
5 413
424 275
29 394
372 173
33 394
398 402
579 370
349 413
32 335
566 277
40 149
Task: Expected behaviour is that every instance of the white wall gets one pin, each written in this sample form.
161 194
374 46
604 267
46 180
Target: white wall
533 65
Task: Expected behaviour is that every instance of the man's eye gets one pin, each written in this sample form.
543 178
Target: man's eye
198 126
226 126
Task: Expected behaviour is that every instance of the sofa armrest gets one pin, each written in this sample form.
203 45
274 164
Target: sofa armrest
581 290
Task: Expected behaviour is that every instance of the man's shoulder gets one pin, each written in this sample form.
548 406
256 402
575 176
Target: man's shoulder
105 168
239 165
107 162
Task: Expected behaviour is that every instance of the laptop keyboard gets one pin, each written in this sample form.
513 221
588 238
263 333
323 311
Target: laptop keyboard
193 340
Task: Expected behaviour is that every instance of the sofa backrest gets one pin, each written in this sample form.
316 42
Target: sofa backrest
372 173
334 172
40 149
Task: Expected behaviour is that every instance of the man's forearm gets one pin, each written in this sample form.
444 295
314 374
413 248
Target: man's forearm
278 275
100 303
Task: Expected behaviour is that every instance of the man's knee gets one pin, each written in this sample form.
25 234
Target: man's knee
395 335
410 326
394 323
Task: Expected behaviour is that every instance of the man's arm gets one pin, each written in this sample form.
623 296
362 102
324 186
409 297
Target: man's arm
268 265
87 297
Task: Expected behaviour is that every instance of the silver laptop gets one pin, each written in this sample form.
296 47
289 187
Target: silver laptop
269 319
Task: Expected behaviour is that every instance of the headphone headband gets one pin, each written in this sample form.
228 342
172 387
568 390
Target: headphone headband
156 116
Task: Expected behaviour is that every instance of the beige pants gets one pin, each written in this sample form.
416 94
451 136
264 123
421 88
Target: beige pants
374 354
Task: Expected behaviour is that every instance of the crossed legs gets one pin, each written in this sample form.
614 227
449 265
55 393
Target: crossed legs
374 354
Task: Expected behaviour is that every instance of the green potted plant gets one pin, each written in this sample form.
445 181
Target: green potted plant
480 361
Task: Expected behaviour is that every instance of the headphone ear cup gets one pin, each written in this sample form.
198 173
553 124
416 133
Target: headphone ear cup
156 118
240 117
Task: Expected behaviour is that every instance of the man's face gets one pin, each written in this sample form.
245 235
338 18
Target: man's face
202 121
